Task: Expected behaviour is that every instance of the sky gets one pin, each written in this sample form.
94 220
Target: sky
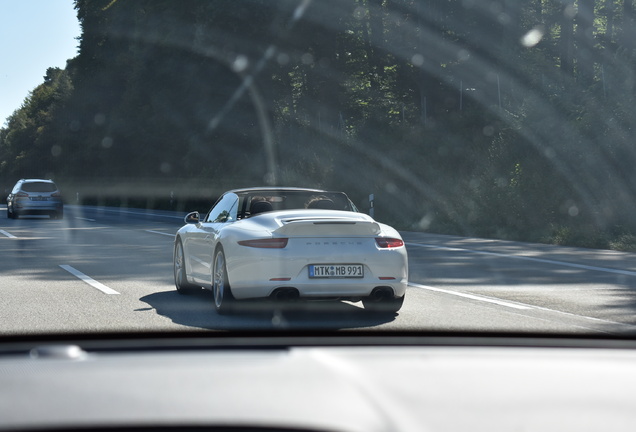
34 36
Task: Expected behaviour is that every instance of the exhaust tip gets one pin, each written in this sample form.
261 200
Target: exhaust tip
285 294
380 294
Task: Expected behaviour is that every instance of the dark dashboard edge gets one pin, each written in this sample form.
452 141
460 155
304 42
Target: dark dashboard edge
152 341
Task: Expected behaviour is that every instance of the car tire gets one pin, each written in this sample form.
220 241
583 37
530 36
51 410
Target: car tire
180 275
223 298
391 305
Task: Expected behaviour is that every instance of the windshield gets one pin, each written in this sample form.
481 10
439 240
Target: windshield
291 199
473 161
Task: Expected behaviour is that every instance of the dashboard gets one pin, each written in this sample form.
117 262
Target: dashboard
318 383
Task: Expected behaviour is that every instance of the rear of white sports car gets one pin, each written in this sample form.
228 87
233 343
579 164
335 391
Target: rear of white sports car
317 254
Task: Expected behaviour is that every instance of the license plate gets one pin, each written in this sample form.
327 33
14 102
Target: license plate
39 199
336 271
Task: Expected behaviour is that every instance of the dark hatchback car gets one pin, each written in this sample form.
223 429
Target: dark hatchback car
35 196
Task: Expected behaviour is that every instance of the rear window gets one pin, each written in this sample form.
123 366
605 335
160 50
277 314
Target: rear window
39 187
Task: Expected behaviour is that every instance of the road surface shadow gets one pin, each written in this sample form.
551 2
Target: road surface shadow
197 310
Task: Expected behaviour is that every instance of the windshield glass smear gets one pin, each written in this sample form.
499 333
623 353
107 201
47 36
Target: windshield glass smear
452 166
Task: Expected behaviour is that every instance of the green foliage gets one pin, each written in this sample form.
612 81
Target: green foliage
495 119
624 242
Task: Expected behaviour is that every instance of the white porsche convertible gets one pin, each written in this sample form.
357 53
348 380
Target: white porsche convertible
290 244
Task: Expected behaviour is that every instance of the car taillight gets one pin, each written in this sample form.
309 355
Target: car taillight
273 243
22 194
56 194
386 242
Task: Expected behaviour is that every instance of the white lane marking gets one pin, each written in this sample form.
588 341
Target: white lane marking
473 297
623 326
4 233
159 232
524 306
92 282
85 219
521 257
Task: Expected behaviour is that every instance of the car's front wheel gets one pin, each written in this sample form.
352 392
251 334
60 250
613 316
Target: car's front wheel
223 298
180 278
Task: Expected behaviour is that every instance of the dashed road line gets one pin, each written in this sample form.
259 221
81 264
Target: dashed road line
473 297
526 258
92 282
86 219
523 306
159 232
7 234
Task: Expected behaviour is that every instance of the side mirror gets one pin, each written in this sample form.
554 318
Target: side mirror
192 218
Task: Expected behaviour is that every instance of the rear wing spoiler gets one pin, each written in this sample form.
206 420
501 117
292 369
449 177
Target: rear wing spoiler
301 227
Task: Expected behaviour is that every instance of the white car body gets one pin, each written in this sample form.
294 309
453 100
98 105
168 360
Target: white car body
258 265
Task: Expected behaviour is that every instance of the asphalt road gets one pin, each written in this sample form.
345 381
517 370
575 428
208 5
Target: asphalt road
103 269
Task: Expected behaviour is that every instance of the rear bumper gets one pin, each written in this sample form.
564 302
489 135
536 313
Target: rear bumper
333 290
27 206
260 275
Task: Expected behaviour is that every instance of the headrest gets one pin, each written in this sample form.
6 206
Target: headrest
260 207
